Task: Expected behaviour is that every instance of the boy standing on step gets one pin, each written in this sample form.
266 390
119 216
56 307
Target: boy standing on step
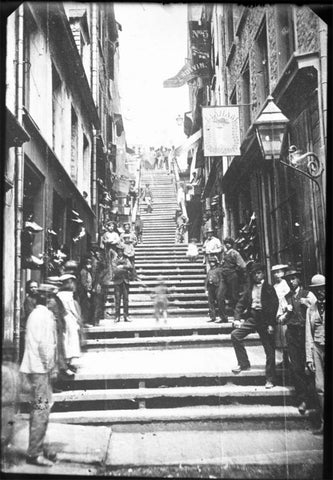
160 298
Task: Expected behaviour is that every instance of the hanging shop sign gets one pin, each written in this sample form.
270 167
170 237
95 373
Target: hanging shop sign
189 71
220 126
200 44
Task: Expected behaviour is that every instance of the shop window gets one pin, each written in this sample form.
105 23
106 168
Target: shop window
261 64
245 108
285 34
58 221
56 110
229 26
33 215
74 146
86 166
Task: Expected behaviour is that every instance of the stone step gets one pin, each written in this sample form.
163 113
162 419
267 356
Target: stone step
174 264
173 310
143 296
165 271
164 250
191 284
237 413
184 278
230 393
146 327
172 341
139 304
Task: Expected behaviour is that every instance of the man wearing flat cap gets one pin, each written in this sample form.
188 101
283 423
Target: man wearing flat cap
122 271
258 304
39 361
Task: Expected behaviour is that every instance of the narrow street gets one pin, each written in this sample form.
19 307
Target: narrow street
165 394
164 240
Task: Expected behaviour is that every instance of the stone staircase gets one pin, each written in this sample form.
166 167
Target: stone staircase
159 255
181 371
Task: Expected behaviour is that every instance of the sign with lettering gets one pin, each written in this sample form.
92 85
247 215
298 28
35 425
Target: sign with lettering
199 42
220 126
189 71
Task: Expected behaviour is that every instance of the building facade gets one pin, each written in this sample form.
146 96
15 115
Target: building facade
276 213
61 96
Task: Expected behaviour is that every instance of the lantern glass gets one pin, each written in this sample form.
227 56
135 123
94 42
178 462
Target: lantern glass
271 138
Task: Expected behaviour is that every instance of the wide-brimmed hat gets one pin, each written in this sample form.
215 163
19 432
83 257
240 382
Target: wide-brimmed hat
67 276
46 288
53 281
279 267
292 271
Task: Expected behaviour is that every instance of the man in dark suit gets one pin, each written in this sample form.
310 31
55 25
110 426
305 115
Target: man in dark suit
259 304
122 269
299 300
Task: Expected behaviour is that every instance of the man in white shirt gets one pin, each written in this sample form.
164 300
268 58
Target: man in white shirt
39 360
212 246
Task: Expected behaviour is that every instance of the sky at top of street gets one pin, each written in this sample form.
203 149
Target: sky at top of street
153 47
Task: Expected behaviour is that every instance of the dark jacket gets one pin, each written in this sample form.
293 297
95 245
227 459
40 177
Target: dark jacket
122 269
297 315
214 276
269 302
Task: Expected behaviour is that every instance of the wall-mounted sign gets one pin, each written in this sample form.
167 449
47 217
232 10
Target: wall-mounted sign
220 126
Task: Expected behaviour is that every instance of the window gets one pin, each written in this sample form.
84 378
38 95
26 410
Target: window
245 108
285 34
56 110
261 64
74 147
229 26
58 220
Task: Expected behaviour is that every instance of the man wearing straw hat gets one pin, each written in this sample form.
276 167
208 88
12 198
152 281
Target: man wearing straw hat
282 289
315 341
299 299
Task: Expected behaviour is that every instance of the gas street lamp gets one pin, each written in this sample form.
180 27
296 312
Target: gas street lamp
271 131
179 120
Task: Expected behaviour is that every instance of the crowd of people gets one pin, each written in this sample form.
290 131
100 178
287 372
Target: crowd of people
289 318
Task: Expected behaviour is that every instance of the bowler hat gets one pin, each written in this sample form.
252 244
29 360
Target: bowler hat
255 267
71 266
318 280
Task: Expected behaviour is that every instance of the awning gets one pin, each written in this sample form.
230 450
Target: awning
16 135
190 142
